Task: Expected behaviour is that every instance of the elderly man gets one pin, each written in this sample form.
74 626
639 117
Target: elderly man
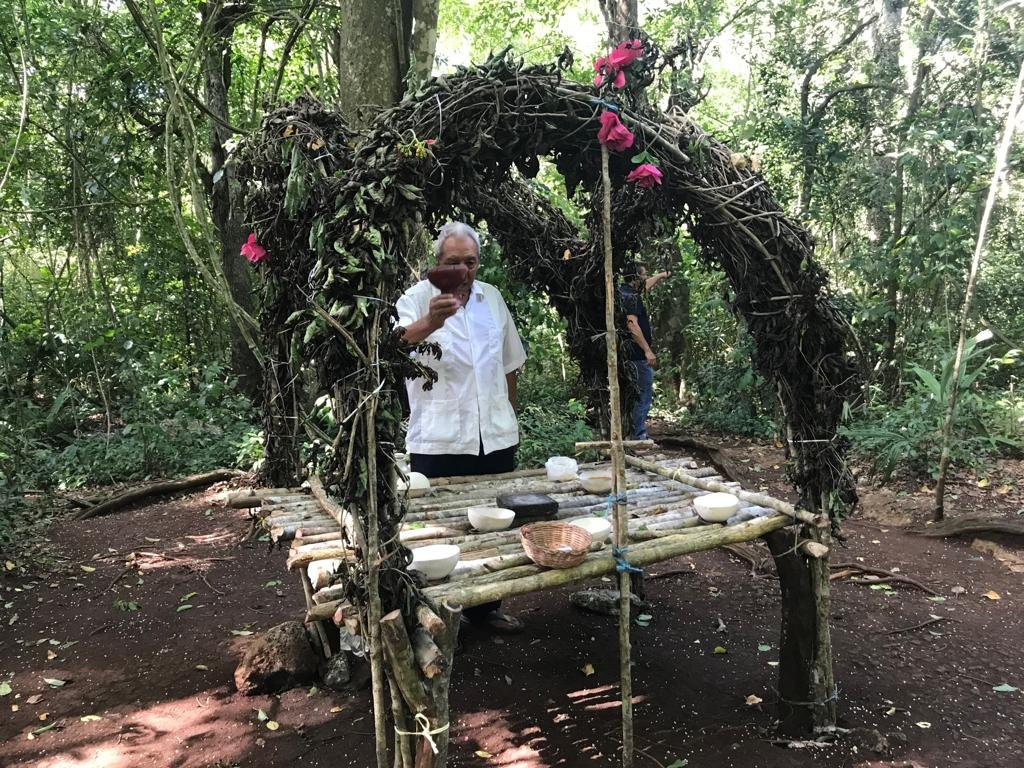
466 423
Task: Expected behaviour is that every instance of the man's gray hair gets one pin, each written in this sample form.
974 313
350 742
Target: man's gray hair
455 229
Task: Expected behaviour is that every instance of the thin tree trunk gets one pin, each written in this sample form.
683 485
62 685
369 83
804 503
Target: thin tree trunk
954 389
225 192
621 17
424 40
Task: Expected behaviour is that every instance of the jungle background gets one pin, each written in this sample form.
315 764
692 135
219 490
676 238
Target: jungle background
126 312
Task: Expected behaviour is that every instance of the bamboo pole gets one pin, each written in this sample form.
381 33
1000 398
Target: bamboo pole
759 499
255 497
595 445
336 511
436 482
599 564
318 627
619 522
372 560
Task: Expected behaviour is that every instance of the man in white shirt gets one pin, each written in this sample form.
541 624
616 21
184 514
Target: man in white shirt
466 423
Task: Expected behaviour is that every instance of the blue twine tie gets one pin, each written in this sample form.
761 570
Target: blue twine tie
605 104
622 564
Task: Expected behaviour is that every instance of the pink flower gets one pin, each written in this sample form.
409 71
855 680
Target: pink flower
626 53
645 175
613 134
253 251
605 70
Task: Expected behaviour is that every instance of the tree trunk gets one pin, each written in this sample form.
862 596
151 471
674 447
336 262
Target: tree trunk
371 55
424 40
806 684
621 17
225 193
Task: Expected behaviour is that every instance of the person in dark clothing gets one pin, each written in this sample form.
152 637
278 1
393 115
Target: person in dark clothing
639 353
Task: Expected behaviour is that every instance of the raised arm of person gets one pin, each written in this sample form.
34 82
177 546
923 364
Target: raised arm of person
416 329
653 280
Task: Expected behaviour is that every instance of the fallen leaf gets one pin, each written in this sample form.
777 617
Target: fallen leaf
87 568
5 688
937 599
181 608
189 596
202 668
54 682
992 595
720 649
43 729
483 754
43 716
90 718
241 632
261 715
773 663
753 700
1005 688
957 590
151 540
588 669
763 647
983 483
10 566
13 619
273 725
50 655
335 710
34 699
15 707
313 691
1002 490
923 724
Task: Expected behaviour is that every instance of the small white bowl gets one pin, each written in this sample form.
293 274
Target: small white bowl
435 561
599 529
490 518
417 484
716 507
596 480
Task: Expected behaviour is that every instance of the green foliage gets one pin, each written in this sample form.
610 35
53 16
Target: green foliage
908 434
169 425
551 422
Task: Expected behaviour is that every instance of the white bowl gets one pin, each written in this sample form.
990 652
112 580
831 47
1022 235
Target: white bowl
417 484
490 518
597 480
561 468
716 507
598 528
435 561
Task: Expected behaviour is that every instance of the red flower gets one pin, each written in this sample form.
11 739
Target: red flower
613 134
253 251
626 53
605 70
645 175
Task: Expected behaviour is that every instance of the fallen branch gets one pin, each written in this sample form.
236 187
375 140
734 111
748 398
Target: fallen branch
153 489
881 572
922 625
962 526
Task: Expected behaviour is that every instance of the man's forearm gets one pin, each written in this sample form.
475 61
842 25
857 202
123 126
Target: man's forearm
638 336
512 384
417 331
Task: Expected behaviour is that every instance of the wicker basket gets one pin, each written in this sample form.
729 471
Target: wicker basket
555 545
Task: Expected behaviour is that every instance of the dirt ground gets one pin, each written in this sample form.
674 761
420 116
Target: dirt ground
136 679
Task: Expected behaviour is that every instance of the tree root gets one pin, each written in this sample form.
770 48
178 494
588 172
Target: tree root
850 569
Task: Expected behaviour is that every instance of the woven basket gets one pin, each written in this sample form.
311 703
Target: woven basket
555 545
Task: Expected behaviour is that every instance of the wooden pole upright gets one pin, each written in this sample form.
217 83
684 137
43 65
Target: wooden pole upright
372 559
620 521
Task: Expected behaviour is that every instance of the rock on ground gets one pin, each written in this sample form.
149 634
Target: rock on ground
279 659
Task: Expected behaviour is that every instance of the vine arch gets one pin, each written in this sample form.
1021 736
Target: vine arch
339 212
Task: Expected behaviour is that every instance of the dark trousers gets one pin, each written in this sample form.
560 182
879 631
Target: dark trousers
459 465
